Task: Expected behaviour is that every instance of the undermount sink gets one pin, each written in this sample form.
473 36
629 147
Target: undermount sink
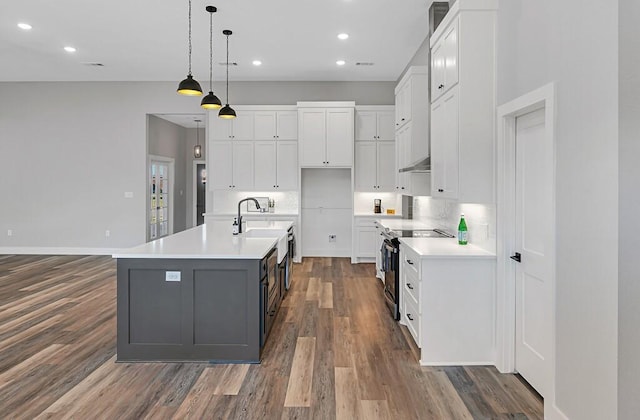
271 233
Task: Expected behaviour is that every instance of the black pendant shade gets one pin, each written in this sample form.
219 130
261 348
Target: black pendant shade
211 101
189 86
227 112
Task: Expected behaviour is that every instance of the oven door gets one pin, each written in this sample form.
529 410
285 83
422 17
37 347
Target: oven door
390 264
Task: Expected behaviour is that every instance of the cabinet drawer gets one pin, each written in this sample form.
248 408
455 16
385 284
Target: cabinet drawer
412 320
410 261
365 222
412 288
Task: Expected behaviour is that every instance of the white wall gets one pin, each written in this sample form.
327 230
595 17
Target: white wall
629 201
574 44
65 163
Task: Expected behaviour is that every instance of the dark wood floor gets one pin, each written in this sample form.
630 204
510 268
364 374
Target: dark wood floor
333 353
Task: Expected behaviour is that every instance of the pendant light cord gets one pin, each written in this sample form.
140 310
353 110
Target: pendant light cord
227 69
189 37
211 51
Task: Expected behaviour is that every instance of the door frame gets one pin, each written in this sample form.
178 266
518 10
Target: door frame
194 189
542 98
171 163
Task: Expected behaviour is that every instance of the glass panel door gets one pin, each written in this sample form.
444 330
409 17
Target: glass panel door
159 196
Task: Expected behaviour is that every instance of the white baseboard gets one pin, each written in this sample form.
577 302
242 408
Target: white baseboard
552 412
34 250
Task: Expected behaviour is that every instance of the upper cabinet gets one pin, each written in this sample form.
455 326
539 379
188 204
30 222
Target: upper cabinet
239 128
276 125
326 133
444 62
463 109
374 125
411 95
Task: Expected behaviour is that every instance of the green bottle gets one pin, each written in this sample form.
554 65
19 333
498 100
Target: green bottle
462 231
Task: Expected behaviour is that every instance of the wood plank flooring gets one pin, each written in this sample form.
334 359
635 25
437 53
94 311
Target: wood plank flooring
334 353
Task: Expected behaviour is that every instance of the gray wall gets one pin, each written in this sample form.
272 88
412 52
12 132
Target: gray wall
65 166
422 57
168 140
629 200
573 43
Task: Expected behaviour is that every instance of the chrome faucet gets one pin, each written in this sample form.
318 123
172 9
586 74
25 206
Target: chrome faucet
239 216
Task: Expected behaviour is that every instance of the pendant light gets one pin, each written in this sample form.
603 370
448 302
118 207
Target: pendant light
189 86
197 149
227 112
211 101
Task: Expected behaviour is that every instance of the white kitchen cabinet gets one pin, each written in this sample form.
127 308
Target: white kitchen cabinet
412 93
375 123
444 146
232 165
447 304
375 166
444 62
463 111
239 128
326 136
276 125
366 246
409 183
276 165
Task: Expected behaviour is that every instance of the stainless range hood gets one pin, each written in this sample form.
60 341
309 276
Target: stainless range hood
422 165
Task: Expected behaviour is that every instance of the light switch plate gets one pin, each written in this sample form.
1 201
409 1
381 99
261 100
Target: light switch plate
172 276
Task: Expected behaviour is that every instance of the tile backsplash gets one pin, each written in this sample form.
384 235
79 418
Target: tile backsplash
445 214
226 202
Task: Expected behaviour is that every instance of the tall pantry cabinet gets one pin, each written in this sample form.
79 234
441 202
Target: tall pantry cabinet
463 97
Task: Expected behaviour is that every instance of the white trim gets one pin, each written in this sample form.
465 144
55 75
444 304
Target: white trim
552 412
543 97
327 104
372 108
194 189
37 250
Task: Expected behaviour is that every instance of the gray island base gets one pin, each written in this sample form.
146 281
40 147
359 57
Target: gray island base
189 309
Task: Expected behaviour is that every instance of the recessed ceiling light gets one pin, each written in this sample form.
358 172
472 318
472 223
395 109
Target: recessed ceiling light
24 26
257 62
70 49
341 62
343 36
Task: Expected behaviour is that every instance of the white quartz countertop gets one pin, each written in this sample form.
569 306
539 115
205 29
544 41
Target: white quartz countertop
444 248
377 215
210 241
403 224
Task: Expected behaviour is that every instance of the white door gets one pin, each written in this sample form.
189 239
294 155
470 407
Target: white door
386 127
287 165
533 241
243 128
161 198
265 167
312 137
220 165
366 126
287 125
365 170
242 166
386 163
264 125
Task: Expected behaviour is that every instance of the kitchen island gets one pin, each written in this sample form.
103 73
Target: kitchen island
198 295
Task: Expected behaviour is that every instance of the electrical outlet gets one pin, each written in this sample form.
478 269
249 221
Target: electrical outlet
332 238
107 233
9 232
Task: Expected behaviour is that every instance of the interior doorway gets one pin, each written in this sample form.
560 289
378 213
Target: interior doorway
526 245
199 191
160 197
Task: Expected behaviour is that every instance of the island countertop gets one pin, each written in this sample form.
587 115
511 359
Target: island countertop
209 241
445 248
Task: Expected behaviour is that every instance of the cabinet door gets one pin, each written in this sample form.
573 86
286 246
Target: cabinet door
366 125
404 158
221 129
287 168
437 70
386 166
242 165
340 137
243 126
264 125
265 165
312 136
220 170
287 125
385 126
405 116
451 56
444 147
365 169
367 242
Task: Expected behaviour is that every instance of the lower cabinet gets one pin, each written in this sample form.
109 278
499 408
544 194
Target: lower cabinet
447 304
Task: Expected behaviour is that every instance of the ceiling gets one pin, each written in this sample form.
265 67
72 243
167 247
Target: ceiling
145 40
